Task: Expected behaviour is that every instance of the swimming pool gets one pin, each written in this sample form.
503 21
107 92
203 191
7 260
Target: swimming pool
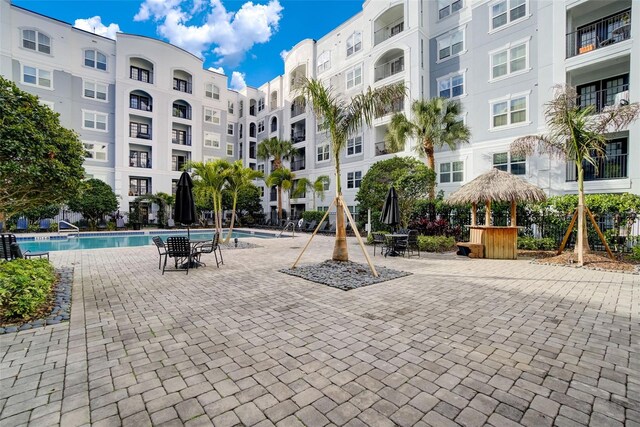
116 240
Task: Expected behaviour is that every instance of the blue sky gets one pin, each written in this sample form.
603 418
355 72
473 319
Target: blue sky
241 36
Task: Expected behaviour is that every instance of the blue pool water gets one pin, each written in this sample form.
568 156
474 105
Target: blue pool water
71 242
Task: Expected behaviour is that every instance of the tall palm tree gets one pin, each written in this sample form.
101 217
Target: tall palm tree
238 177
316 187
342 119
283 179
435 123
210 179
576 134
280 150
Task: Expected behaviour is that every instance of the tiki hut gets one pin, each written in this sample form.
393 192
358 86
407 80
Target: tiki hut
495 186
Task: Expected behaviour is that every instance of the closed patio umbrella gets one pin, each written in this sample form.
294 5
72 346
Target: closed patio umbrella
185 208
390 210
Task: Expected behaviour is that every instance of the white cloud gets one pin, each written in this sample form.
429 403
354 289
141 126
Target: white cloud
95 25
237 81
230 34
284 54
217 70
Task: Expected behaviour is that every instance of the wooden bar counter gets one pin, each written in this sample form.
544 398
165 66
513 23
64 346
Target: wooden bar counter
499 242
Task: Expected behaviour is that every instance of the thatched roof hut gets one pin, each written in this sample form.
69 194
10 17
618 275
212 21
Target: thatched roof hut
497 186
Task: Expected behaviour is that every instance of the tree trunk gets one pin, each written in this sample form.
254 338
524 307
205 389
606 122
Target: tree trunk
340 251
431 164
233 217
314 200
279 202
582 242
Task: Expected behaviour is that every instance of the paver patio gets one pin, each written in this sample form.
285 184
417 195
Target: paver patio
459 341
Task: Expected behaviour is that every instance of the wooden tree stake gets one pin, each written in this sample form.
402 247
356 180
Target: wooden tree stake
355 230
314 233
568 233
604 241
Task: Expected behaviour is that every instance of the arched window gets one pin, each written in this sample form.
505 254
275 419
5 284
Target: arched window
95 59
35 40
252 130
354 43
274 124
324 61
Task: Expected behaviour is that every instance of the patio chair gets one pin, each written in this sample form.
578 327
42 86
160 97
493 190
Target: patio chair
120 224
16 252
398 246
45 224
178 248
379 239
22 225
102 225
311 226
412 244
83 225
208 248
332 229
10 250
323 226
162 249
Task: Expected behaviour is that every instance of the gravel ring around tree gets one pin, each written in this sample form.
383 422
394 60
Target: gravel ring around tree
61 310
343 275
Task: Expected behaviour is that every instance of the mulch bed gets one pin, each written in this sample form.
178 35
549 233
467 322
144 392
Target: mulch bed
594 261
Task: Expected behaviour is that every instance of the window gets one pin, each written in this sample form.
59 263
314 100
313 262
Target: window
354 146
140 74
274 124
241 112
139 130
211 91
323 152
96 151
509 112
95 59
139 159
451 172
447 7
36 77
324 61
507 11
95 90
211 116
508 162
354 76
260 104
354 43
509 60
94 120
450 45
229 150
211 140
354 179
230 107
261 126
139 186
35 40
261 167
230 129
451 86
139 102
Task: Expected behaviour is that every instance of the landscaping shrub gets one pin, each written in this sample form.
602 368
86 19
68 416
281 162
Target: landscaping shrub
438 227
370 236
24 285
533 244
436 243
312 216
635 253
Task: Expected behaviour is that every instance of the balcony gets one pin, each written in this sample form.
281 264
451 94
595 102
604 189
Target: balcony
181 85
182 111
607 167
600 100
141 103
140 74
395 107
139 130
298 136
139 187
599 34
297 165
389 68
389 24
180 137
298 107
382 148
139 162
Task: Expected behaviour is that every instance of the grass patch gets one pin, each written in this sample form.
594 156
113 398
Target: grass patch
25 285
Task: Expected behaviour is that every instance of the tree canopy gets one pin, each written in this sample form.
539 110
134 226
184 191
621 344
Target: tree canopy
40 161
95 199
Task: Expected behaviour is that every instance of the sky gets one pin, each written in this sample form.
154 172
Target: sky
245 39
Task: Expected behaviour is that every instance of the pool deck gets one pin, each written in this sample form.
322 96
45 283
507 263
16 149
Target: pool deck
459 342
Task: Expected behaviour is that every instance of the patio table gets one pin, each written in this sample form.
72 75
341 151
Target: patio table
392 240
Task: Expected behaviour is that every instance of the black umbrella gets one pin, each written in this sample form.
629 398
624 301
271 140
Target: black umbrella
390 210
185 212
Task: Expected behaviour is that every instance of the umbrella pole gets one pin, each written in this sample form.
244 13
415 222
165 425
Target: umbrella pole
326 214
355 230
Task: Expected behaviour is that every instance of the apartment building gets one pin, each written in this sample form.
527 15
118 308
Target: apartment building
142 116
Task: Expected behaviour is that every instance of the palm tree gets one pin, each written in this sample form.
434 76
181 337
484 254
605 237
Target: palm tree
210 179
316 187
576 134
238 177
280 150
283 179
435 124
342 119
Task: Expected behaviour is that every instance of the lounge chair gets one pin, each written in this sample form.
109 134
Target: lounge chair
120 224
178 248
162 250
379 239
207 248
102 225
323 226
10 250
311 226
17 253
83 225
22 225
332 229
45 224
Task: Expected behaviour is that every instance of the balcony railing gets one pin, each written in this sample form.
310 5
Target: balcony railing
394 107
139 163
382 148
297 165
602 99
140 104
140 190
390 68
389 31
141 75
182 85
181 139
298 136
608 167
599 34
139 133
252 110
297 108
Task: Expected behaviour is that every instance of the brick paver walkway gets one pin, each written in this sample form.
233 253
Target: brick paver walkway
460 341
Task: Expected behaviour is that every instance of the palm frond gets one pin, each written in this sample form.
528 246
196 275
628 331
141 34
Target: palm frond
398 131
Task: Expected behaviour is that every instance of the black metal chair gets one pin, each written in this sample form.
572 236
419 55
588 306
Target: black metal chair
10 250
162 249
208 248
178 248
379 239
412 244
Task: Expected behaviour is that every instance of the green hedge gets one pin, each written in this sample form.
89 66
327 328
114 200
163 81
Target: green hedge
436 243
635 253
531 243
312 216
24 285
